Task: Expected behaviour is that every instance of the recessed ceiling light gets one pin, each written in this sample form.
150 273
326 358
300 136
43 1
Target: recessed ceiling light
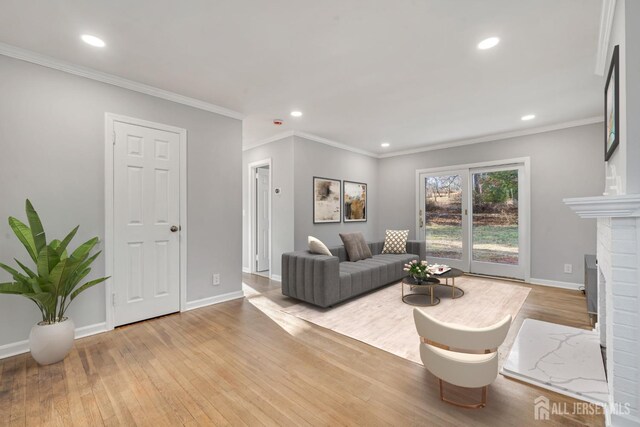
385 144
488 43
93 40
528 117
296 113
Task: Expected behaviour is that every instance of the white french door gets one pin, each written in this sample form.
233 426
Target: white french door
443 217
146 222
495 220
475 219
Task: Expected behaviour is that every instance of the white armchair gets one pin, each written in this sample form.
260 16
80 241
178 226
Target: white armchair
459 355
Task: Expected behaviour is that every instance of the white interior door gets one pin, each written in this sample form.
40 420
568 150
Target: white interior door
262 219
146 269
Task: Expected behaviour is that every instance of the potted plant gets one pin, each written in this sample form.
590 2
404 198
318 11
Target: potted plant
419 270
52 284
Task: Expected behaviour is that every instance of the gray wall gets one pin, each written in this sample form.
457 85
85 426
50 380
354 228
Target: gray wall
52 139
564 163
281 155
313 159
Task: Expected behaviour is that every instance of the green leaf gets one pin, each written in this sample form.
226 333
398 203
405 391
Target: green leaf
26 269
61 272
48 301
83 250
14 288
47 260
75 278
23 233
17 276
37 231
87 286
88 261
63 245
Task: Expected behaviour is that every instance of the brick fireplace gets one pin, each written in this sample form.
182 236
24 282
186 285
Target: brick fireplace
618 254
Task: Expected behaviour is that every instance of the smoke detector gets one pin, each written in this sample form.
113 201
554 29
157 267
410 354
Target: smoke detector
277 122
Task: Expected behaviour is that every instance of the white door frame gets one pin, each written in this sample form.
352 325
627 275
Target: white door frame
251 244
524 212
109 237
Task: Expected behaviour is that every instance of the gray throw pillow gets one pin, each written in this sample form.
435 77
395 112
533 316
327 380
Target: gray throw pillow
356 246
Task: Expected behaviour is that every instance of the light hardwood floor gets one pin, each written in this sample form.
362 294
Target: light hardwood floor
232 364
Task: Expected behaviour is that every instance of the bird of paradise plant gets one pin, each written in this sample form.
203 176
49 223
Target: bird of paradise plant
54 281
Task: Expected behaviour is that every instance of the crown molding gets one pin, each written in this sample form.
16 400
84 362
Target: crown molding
310 137
495 137
335 144
606 24
90 73
487 138
605 206
274 138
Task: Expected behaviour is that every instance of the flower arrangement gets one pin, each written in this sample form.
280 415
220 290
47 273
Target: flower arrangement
418 270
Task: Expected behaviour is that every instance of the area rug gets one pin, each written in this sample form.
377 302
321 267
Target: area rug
382 320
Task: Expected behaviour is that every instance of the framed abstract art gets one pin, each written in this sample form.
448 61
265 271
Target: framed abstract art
326 200
354 201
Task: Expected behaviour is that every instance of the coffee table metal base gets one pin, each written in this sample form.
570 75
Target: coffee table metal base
417 295
421 300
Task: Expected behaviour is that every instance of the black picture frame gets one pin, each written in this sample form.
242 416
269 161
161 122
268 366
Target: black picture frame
346 204
324 203
612 107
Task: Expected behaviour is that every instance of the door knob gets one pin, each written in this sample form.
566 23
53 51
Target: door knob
174 228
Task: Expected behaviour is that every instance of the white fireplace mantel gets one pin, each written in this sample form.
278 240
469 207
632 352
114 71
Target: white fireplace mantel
605 206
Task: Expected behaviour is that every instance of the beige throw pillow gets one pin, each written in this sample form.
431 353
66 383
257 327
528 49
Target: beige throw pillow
356 246
395 242
317 247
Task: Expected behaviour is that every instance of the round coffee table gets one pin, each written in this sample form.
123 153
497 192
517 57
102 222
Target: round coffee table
415 296
451 274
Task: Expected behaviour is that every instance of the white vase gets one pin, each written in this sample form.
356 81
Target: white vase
50 343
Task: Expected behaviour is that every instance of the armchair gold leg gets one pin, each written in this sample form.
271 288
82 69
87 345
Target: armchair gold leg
482 403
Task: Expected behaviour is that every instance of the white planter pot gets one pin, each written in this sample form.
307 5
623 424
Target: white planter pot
50 343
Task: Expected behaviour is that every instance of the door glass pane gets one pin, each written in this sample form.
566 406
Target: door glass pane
443 216
495 217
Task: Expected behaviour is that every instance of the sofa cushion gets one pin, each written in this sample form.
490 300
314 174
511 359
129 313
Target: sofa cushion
355 246
317 247
364 275
395 242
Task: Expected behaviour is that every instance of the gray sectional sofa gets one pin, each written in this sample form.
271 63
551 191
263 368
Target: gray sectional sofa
325 280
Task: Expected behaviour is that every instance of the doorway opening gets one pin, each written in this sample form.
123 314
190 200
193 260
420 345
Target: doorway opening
476 217
260 217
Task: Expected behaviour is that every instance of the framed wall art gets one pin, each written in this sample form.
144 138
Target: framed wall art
354 201
612 108
326 200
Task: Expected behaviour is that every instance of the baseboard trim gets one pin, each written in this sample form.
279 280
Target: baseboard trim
87 331
20 347
13 349
556 284
246 270
199 303
276 278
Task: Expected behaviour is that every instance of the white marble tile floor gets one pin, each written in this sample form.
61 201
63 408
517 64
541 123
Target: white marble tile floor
560 358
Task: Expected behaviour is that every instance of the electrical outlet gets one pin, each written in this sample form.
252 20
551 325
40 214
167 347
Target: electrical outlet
568 268
216 279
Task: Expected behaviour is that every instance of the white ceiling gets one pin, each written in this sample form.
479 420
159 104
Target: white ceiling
361 71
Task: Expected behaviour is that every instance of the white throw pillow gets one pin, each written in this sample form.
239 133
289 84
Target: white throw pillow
395 242
317 247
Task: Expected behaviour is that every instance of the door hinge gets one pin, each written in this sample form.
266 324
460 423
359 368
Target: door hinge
114 138
113 300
